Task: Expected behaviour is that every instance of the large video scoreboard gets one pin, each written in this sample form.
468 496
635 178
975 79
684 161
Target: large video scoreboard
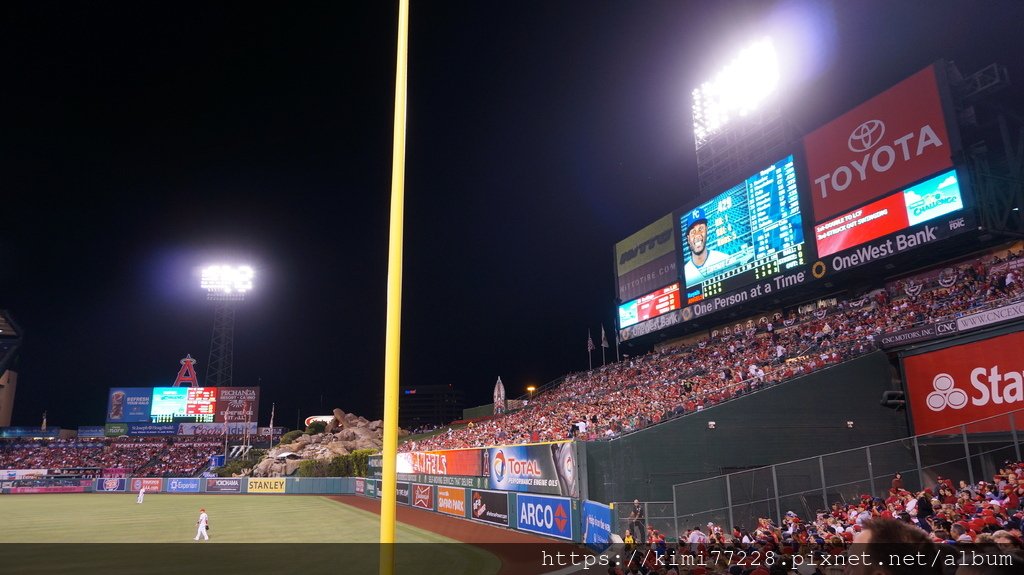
749 232
877 181
182 404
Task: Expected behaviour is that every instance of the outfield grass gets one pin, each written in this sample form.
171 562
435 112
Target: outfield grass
233 519
164 518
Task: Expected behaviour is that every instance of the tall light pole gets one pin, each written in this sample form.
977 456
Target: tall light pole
226 286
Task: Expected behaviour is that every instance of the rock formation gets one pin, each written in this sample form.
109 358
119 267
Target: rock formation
344 434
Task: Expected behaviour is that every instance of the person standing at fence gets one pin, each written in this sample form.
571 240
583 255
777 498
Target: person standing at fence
637 524
203 524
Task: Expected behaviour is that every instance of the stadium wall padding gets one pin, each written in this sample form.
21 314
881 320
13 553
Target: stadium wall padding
800 418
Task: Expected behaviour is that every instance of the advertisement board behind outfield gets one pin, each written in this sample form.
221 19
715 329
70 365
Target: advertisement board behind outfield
224 485
152 484
402 493
451 501
544 515
111 485
266 485
964 383
423 496
183 485
597 525
489 507
360 485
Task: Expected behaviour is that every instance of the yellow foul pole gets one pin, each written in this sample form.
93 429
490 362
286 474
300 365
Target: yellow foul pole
393 335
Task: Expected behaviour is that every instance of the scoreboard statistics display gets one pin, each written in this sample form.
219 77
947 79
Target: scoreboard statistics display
183 404
649 306
749 232
192 404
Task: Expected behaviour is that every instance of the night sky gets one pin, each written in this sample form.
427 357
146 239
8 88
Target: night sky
141 141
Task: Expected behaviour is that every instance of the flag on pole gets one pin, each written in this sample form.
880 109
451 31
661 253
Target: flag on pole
604 339
272 407
43 426
590 342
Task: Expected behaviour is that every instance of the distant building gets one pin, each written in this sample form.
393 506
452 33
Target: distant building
429 405
10 340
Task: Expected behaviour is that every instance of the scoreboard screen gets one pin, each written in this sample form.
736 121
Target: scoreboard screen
187 404
747 233
650 306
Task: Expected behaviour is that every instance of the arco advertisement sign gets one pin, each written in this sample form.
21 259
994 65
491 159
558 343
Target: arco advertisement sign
966 383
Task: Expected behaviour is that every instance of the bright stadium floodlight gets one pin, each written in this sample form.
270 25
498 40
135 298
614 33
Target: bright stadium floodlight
226 282
742 86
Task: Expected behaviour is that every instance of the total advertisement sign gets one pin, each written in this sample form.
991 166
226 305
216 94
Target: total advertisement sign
547 468
966 383
647 259
151 484
544 515
898 137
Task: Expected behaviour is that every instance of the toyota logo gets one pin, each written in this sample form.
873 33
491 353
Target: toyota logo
865 136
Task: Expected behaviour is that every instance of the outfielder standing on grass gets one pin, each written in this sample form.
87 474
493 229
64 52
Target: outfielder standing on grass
142 495
203 524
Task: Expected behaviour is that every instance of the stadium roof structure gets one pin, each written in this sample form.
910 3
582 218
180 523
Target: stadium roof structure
10 338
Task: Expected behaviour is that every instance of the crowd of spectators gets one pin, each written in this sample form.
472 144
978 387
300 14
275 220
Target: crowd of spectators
956 523
629 395
138 456
183 458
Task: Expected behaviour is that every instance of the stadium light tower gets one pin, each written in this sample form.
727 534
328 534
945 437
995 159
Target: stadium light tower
738 112
226 286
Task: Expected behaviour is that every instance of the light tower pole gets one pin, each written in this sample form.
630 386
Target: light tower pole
226 286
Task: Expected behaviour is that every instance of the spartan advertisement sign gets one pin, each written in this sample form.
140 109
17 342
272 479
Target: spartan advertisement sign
965 383
896 138
646 260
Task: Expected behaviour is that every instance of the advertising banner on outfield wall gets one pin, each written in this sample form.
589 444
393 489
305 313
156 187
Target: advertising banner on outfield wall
965 383
90 431
489 507
129 404
597 525
450 462
360 485
402 493
238 404
111 485
545 515
115 429
646 260
918 334
547 468
22 473
152 484
215 429
894 139
182 485
423 496
451 501
371 488
224 485
152 429
266 485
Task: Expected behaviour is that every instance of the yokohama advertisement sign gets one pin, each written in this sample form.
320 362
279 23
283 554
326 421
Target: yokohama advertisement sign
893 139
966 383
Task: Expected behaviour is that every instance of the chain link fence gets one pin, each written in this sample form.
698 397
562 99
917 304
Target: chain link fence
969 452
